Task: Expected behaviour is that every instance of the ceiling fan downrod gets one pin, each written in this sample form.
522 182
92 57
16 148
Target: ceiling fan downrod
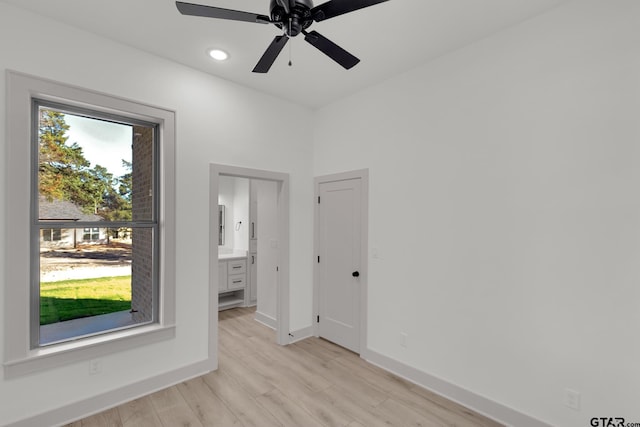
293 18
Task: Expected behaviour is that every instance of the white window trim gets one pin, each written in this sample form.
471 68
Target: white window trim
19 358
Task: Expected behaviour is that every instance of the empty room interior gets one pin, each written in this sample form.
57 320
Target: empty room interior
435 199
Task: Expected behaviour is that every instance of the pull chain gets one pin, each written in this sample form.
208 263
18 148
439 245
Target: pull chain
290 43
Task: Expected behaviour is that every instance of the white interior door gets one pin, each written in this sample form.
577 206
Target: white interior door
339 228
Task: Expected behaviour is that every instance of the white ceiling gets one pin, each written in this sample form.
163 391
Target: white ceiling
389 38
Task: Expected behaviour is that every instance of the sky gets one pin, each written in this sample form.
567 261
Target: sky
103 143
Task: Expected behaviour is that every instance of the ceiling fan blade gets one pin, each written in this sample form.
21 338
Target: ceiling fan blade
331 49
217 12
270 55
334 8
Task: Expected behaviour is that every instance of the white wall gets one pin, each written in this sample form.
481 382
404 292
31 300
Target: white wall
505 207
267 230
217 122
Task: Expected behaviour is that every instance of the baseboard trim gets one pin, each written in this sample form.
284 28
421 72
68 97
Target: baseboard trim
469 399
266 320
300 334
94 405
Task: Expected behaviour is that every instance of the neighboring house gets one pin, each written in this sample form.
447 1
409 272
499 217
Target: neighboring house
64 210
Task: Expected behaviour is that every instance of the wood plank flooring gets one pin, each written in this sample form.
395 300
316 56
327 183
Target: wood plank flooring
312 383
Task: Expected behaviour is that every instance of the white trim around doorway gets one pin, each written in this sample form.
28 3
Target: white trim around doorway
282 297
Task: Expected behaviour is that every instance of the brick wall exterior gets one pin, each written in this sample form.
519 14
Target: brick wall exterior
142 239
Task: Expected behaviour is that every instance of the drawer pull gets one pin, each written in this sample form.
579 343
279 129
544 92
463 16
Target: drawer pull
237 266
237 281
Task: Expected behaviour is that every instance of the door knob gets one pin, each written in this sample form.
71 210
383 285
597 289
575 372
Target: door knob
356 274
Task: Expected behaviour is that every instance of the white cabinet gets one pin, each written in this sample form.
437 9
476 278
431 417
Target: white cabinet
253 279
232 283
253 211
252 261
222 276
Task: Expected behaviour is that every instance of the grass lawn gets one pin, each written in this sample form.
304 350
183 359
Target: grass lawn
71 299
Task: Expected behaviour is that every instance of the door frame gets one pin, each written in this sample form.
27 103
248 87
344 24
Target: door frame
282 287
363 175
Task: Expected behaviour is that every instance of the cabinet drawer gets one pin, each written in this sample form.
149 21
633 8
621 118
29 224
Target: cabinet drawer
236 281
237 266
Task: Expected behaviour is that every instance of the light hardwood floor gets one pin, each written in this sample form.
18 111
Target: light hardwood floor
312 383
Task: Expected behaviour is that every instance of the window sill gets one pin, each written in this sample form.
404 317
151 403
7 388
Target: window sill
97 346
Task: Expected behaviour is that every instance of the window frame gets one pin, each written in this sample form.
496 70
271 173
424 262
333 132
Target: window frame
19 356
90 229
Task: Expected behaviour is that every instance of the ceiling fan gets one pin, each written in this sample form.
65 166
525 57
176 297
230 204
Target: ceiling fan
293 17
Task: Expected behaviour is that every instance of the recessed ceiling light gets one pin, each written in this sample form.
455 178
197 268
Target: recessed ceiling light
218 54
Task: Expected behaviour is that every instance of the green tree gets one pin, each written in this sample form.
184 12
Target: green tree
64 173
125 182
59 164
119 204
117 198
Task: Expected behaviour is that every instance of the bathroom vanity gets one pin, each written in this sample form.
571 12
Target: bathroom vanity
232 280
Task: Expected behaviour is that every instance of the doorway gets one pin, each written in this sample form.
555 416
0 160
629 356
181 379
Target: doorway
341 268
281 190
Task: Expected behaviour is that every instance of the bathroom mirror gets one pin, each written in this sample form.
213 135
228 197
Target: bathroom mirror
220 225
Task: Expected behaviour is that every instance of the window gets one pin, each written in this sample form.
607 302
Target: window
91 234
51 234
96 173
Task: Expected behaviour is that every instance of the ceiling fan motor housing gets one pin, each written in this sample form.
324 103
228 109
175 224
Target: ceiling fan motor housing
297 20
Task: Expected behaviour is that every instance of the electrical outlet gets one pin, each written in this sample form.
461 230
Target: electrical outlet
95 366
403 339
572 399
